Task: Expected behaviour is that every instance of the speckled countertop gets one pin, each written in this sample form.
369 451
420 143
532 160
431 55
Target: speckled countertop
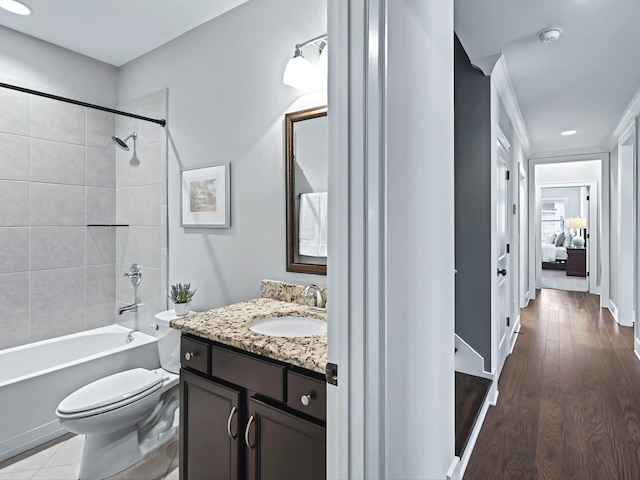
230 325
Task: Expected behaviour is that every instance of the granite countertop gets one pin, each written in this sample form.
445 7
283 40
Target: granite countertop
230 325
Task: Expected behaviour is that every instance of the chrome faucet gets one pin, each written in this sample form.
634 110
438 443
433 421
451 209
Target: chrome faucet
128 308
316 300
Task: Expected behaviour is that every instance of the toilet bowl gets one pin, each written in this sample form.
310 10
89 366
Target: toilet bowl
127 415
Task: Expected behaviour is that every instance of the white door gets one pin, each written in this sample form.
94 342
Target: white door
503 235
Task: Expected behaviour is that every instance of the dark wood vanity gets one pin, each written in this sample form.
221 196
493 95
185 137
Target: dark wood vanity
247 416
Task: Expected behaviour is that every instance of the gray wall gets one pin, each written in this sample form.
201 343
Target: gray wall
572 194
226 103
473 204
57 174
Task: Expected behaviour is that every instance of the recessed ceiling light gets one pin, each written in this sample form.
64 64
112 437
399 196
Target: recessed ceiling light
568 132
15 7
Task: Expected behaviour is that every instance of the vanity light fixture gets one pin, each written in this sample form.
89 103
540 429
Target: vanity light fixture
15 7
299 73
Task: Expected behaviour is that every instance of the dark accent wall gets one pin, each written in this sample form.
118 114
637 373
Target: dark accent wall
472 98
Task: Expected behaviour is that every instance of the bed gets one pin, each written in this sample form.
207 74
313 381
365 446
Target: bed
554 250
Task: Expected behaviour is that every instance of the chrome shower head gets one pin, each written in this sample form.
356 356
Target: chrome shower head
123 143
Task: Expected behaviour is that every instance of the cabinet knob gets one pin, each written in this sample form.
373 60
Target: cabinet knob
305 399
188 356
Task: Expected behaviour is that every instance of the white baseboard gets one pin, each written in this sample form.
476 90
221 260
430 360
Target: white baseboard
457 469
515 334
636 350
527 299
468 361
614 310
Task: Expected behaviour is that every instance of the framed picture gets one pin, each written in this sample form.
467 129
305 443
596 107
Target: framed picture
206 197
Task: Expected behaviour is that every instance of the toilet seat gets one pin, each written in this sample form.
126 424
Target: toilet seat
109 393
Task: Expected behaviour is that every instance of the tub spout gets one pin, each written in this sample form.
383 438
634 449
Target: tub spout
128 308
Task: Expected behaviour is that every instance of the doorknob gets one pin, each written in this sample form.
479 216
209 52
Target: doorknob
502 272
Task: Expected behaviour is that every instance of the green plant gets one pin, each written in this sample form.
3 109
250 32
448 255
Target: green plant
181 293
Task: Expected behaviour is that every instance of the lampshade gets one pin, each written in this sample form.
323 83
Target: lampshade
577 222
298 72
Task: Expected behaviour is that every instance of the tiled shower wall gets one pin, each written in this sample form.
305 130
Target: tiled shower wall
142 204
57 175
60 177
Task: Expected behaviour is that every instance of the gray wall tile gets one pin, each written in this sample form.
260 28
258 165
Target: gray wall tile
56 247
139 205
14 332
101 167
100 315
56 323
101 245
55 162
56 290
14 295
14 249
58 121
14 112
100 127
148 172
14 157
141 245
14 199
57 204
101 205
101 284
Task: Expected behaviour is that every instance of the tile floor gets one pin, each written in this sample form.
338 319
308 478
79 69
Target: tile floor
60 460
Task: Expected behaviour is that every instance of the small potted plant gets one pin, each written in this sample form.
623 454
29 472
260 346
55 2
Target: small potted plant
181 295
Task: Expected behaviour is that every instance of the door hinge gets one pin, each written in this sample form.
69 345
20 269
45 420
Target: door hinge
515 209
588 236
508 175
508 321
331 373
508 248
588 197
588 274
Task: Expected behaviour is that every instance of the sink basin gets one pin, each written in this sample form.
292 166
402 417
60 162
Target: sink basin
289 327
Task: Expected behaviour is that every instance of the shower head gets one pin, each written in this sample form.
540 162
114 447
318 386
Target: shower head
123 143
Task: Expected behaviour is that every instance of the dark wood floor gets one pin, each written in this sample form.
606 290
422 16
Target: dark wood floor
569 403
470 394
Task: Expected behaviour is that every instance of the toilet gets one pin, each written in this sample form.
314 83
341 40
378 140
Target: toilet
130 414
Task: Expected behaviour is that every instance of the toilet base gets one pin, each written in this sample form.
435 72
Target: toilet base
106 455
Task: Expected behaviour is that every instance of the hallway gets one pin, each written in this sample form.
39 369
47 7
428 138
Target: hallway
569 403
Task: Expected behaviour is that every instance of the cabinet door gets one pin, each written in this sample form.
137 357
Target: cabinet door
209 423
282 446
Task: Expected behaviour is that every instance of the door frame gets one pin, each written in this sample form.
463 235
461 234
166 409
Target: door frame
602 214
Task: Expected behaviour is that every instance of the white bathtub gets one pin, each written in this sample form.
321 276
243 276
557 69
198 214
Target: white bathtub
34 378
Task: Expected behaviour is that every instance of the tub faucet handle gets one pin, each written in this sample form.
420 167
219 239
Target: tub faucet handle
134 274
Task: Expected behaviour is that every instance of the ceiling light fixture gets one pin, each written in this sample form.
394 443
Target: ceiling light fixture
15 7
550 35
299 73
566 133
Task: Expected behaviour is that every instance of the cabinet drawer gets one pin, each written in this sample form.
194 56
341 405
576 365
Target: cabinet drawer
194 354
253 374
299 386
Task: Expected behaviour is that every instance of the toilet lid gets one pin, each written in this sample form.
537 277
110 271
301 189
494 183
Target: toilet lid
109 390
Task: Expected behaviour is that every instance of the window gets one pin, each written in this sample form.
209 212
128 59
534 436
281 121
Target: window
553 215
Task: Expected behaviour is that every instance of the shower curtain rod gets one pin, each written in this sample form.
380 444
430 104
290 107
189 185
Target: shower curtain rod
162 122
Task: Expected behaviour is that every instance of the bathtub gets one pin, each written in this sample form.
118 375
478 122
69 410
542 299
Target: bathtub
34 378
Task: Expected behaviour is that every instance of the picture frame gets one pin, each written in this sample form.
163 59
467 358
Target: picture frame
206 197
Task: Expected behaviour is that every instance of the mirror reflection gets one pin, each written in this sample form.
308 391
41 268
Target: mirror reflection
307 159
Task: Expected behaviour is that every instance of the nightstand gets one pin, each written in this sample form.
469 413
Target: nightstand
577 262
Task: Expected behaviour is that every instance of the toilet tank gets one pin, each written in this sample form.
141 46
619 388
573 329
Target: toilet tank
168 341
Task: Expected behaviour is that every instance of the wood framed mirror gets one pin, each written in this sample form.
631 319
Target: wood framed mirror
306 171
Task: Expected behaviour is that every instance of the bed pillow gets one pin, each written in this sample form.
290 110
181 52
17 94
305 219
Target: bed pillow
560 239
551 239
568 238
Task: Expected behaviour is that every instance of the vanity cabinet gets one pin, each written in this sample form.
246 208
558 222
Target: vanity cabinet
244 416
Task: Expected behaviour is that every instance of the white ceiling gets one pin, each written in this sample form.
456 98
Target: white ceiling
584 81
114 31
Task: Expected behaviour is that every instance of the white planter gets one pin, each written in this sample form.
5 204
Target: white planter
181 309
